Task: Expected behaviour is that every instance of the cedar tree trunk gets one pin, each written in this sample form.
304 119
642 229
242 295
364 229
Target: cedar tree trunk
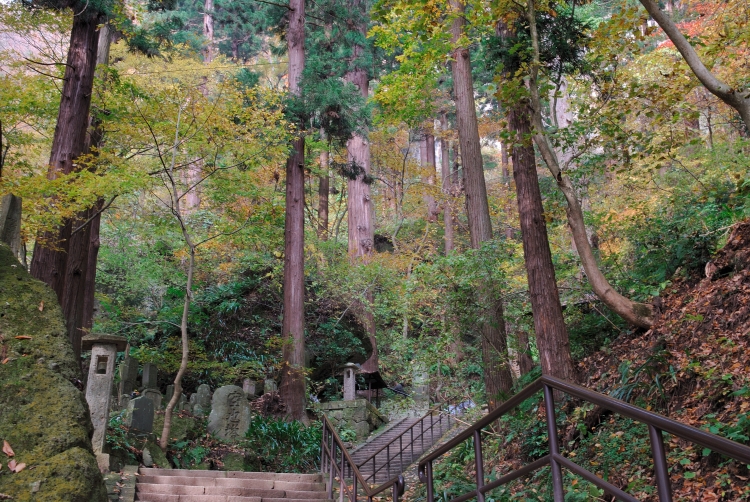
60 258
551 334
498 378
292 389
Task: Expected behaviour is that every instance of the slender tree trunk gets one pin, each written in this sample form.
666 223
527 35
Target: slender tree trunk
498 378
445 168
637 314
549 326
293 390
178 213
60 258
427 157
525 362
324 189
208 30
361 214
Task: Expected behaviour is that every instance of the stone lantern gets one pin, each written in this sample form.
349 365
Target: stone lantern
104 349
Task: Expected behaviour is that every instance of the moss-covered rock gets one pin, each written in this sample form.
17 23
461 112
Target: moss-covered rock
43 415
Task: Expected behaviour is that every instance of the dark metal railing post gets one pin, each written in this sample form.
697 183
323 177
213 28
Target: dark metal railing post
411 444
373 470
401 453
554 448
421 426
388 459
663 484
479 463
354 488
432 429
395 493
430 487
342 481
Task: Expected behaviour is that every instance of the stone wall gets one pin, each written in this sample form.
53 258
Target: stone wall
43 415
358 415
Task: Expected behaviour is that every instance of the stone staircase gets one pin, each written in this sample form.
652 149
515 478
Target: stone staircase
177 485
399 460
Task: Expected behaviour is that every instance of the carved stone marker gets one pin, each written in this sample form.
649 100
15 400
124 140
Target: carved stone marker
350 382
104 350
155 396
270 386
128 375
149 376
252 388
140 414
230 413
10 223
202 400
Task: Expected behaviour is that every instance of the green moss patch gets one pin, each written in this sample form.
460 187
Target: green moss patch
43 415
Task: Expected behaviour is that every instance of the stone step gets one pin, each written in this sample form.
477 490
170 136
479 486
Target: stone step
281 476
237 482
146 488
161 497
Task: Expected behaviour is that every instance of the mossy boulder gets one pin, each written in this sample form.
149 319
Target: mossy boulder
43 414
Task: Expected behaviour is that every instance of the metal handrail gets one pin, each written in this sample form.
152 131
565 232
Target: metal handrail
656 425
409 444
345 467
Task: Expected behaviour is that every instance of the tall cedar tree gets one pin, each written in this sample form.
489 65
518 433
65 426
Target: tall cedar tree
61 257
497 377
293 325
361 213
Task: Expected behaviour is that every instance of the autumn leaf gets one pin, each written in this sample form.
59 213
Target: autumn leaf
41 306
23 337
7 449
19 467
5 361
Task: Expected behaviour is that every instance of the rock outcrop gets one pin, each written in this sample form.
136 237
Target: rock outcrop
43 412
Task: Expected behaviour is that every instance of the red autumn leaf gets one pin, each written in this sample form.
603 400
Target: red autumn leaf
7 449
23 337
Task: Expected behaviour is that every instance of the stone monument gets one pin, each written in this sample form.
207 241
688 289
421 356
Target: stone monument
230 413
253 388
270 386
128 376
140 414
104 349
148 381
350 382
202 404
155 396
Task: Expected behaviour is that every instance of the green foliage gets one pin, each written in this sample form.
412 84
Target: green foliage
117 438
281 446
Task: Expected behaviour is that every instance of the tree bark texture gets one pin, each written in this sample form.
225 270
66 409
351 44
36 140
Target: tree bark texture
549 326
445 168
324 190
498 378
637 314
208 30
361 218
292 389
60 258
525 362
427 157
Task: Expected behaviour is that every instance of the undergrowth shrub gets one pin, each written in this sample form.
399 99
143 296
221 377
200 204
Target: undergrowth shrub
281 446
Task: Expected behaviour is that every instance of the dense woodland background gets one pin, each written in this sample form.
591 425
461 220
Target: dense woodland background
445 171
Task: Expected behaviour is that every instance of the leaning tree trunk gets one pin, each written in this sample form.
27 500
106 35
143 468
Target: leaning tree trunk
498 378
60 257
637 314
549 325
293 325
